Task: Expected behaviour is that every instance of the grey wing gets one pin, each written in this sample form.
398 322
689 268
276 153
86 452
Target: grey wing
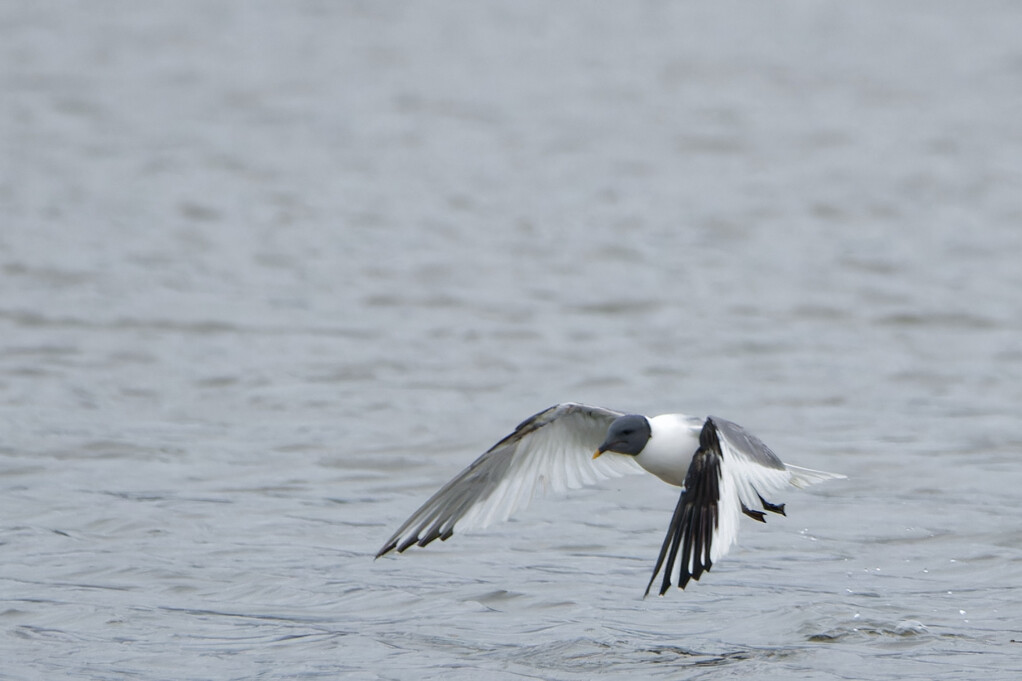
755 471
746 445
551 450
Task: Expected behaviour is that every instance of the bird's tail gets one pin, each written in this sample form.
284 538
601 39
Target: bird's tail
803 477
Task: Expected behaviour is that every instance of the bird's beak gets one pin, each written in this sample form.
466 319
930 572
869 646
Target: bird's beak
599 451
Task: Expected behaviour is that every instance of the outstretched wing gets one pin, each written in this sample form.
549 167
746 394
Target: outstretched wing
551 450
731 473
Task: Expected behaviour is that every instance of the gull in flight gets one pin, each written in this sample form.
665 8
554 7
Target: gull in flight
724 472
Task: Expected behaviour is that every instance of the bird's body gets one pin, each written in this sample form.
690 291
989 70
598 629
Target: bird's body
724 471
674 439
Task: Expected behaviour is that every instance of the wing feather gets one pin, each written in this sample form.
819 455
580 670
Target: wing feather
689 546
732 471
551 450
756 471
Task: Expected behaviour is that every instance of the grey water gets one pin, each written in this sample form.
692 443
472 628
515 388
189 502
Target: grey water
271 273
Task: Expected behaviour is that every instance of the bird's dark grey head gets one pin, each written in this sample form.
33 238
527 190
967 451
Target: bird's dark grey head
627 435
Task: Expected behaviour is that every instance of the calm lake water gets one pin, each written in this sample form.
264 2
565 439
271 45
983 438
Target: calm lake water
271 273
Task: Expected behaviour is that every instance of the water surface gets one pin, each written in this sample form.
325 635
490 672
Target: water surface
270 274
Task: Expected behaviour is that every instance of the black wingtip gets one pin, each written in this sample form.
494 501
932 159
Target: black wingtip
773 508
691 532
755 515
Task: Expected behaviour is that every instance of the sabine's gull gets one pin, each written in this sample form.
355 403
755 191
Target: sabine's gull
724 471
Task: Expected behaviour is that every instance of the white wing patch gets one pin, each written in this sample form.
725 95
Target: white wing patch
556 458
550 451
745 482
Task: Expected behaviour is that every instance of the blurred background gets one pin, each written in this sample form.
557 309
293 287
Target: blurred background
271 273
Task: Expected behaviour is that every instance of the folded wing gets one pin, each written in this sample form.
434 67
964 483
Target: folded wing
549 451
